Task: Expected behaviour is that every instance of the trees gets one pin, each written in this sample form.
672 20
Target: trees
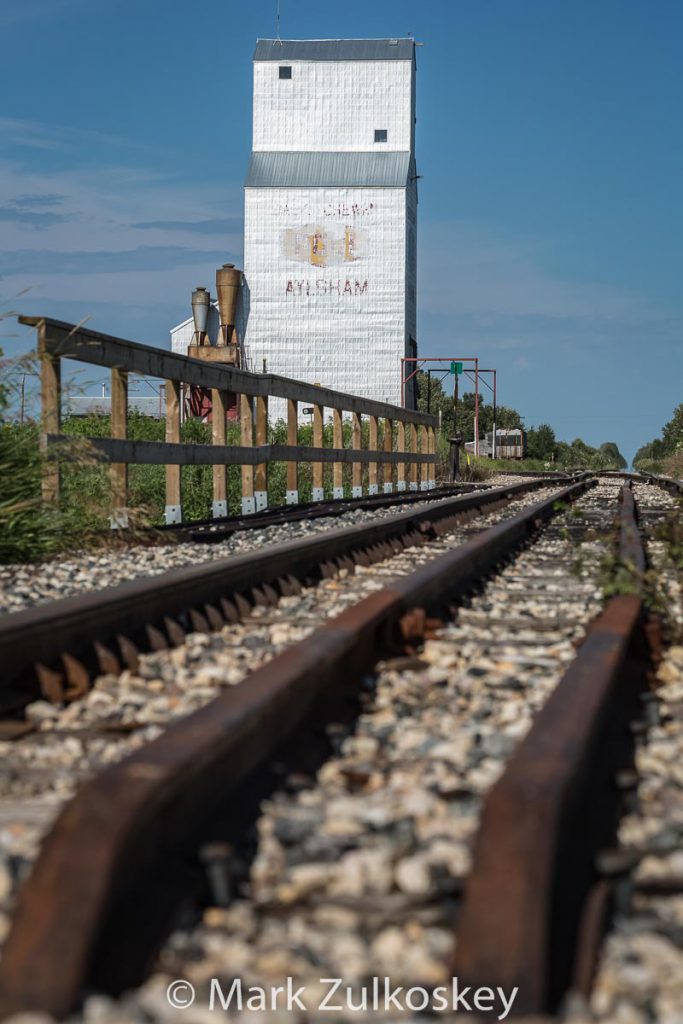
672 434
653 454
612 455
541 443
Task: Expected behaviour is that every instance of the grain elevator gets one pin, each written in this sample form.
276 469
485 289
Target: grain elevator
330 211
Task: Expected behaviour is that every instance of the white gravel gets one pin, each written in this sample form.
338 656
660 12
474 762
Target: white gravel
640 976
25 585
41 771
356 873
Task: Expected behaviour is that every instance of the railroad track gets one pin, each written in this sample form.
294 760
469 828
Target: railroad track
102 848
54 650
213 531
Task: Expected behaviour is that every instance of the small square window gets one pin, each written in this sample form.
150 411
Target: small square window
285 71
380 135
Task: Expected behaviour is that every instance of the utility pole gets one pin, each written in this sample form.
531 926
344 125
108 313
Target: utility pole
494 415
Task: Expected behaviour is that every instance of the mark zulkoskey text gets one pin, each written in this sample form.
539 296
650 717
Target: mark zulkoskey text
340 997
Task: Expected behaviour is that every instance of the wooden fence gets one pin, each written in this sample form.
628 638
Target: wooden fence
409 441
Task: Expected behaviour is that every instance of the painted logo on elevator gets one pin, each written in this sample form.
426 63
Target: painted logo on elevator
324 246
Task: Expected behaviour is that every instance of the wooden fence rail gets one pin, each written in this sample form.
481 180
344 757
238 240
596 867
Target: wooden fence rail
400 448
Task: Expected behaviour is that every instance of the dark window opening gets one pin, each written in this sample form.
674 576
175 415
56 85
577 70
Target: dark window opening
285 71
380 135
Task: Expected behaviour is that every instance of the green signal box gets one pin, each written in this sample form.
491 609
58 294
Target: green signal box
456 368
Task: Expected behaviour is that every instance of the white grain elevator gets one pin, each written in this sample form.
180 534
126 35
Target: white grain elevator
330 269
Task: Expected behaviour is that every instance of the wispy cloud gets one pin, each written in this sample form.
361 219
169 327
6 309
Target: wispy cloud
30 218
224 226
112 235
144 257
44 199
21 136
466 270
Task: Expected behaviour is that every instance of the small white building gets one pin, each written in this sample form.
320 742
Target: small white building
330 269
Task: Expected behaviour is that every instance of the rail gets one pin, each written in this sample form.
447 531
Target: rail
408 441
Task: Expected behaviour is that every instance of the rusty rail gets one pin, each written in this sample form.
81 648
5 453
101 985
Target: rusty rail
54 650
58 341
75 925
534 903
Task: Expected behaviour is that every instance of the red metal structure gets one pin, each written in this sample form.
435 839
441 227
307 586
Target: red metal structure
408 372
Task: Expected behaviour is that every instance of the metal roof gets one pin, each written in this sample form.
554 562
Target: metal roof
334 49
388 169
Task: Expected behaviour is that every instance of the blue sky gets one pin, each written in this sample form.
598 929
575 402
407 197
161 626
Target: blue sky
549 141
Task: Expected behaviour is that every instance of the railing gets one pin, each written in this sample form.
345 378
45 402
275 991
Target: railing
409 439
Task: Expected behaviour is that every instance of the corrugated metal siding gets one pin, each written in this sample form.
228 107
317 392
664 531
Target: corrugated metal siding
283 50
305 170
333 106
339 319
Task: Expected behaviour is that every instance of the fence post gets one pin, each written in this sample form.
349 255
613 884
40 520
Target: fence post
174 505
50 413
413 464
424 466
356 467
261 471
372 446
292 440
219 412
119 430
432 465
338 442
247 441
317 467
401 467
388 447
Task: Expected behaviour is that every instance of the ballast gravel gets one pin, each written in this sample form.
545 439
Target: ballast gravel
640 975
41 771
357 871
25 585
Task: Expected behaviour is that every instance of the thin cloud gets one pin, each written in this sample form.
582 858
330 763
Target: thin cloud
464 270
144 258
224 226
41 199
31 218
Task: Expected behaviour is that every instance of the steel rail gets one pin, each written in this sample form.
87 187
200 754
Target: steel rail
667 483
54 650
214 530
534 904
75 925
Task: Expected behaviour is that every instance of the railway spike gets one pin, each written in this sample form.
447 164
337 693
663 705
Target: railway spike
51 683
243 606
283 586
294 584
214 617
259 598
271 594
155 639
77 676
198 621
107 661
174 631
230 613
129 653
